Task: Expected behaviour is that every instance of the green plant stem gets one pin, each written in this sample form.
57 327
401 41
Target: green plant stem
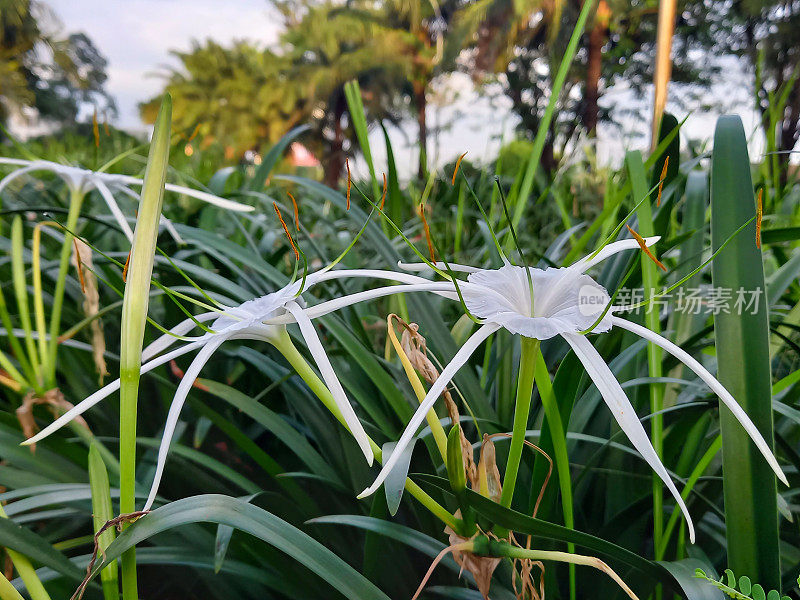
558 436
26 571
134 317
76 197
283 343
527 364
8 591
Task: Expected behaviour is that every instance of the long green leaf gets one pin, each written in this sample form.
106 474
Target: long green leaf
742 340
241 515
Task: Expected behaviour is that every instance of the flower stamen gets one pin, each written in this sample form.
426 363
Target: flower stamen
95 129
349 181
759 216
458 164
643 245
125 268
286 230
421 211
661 180
383 196
296 212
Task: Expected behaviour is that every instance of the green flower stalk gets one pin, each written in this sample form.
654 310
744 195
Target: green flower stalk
134 317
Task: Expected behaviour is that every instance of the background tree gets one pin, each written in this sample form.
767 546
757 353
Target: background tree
325 46
241 97
43 71
520 45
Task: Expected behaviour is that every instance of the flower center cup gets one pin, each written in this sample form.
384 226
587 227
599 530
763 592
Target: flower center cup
565 300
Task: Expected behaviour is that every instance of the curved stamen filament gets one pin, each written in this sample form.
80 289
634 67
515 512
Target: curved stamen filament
643 245
286 230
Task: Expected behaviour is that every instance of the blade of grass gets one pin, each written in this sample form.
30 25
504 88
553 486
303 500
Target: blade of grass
636 172
544 124
103 512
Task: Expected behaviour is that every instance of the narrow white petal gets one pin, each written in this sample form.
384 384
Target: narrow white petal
15 174
421 267
331 381
711 382
103 393
14 161
181 329
114 208
175 411
441 288
366 273
460 358
623 412
171 229
609 250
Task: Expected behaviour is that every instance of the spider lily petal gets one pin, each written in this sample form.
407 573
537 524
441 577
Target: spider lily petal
176 333
460 358
586 263
104 392
80 179
623 412
111 202
175 411
711 382
330 379
418 267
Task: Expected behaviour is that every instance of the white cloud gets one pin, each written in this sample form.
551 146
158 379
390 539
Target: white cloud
137 35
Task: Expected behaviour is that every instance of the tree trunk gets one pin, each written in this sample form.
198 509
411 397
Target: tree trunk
594 66
336 158
421 104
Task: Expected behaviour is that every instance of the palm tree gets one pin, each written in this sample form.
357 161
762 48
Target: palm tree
240 97
326 46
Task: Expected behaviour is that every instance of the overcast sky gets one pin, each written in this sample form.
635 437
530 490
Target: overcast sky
137 35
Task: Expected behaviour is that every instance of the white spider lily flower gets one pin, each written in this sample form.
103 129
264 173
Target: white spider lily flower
82 181
261 319
566 302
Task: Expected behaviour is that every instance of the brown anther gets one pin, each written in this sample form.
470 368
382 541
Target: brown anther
661 180
349 181
759 216
106 129
286 230
458 163
79 264
95 129
383 196
296 212
125 268
421 211
645 249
